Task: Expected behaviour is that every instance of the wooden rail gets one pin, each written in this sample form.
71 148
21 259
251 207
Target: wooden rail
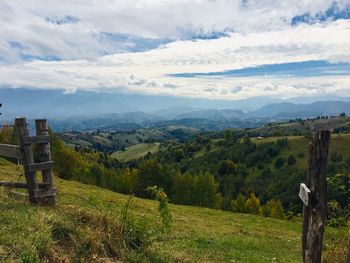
42 193
11 151
21 185
36 139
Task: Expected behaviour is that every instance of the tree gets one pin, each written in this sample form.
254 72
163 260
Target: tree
69 164
277 210
128 181
228 136
97 171
272 208
179 155
338 188
183 188
291 160
150 174
238 205
205 190
252 205
279 162
7 135
227 167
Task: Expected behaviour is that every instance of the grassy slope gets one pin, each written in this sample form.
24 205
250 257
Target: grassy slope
76 227
304 126
136 151
339 143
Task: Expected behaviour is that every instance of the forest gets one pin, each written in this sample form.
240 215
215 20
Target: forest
223 170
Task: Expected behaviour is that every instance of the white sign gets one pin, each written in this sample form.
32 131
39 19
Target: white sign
304 193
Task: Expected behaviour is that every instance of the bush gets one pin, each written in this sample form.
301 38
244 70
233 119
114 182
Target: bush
336 216
272 208
252 205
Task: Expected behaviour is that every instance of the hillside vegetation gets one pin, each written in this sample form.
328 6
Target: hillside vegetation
87 221
136 151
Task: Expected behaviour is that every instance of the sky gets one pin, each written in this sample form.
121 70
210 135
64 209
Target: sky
212 49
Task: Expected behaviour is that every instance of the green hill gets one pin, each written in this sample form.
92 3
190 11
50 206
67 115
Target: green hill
136 151
301 127
297 144
86 226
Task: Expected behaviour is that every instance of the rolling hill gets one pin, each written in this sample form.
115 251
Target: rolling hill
136 151
290 110
85 226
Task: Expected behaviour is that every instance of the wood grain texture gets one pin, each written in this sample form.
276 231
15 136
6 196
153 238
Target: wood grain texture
11 151
315 213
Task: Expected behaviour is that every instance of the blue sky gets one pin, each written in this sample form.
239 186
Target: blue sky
287 70
207 49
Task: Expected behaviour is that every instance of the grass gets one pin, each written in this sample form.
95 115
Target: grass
136 151
303 126
85 224
297 144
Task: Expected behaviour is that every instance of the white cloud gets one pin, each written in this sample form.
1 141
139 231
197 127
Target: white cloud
28 22
149 72
259 32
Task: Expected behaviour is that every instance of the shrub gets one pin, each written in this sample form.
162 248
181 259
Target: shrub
272 208
252 205
163 207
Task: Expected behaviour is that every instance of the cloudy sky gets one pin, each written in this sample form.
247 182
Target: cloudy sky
216 49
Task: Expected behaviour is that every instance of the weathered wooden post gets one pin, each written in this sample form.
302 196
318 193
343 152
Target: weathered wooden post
313 195
43 193
348 257
27 158
45 157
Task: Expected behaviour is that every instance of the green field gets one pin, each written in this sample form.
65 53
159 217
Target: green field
302 127
136 151
85 226
340 143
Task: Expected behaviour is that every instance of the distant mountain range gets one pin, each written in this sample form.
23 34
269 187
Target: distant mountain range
89 110
55 104
207 119
289 110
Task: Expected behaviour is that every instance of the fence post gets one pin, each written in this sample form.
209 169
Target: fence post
44 152
314 212
348 257
27 158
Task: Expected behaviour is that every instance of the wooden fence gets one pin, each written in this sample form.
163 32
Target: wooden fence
39 193
313 195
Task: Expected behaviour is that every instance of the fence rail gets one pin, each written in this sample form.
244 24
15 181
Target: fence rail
11 151
38 192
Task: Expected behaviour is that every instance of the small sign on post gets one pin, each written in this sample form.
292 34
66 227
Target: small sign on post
304 193
315 202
